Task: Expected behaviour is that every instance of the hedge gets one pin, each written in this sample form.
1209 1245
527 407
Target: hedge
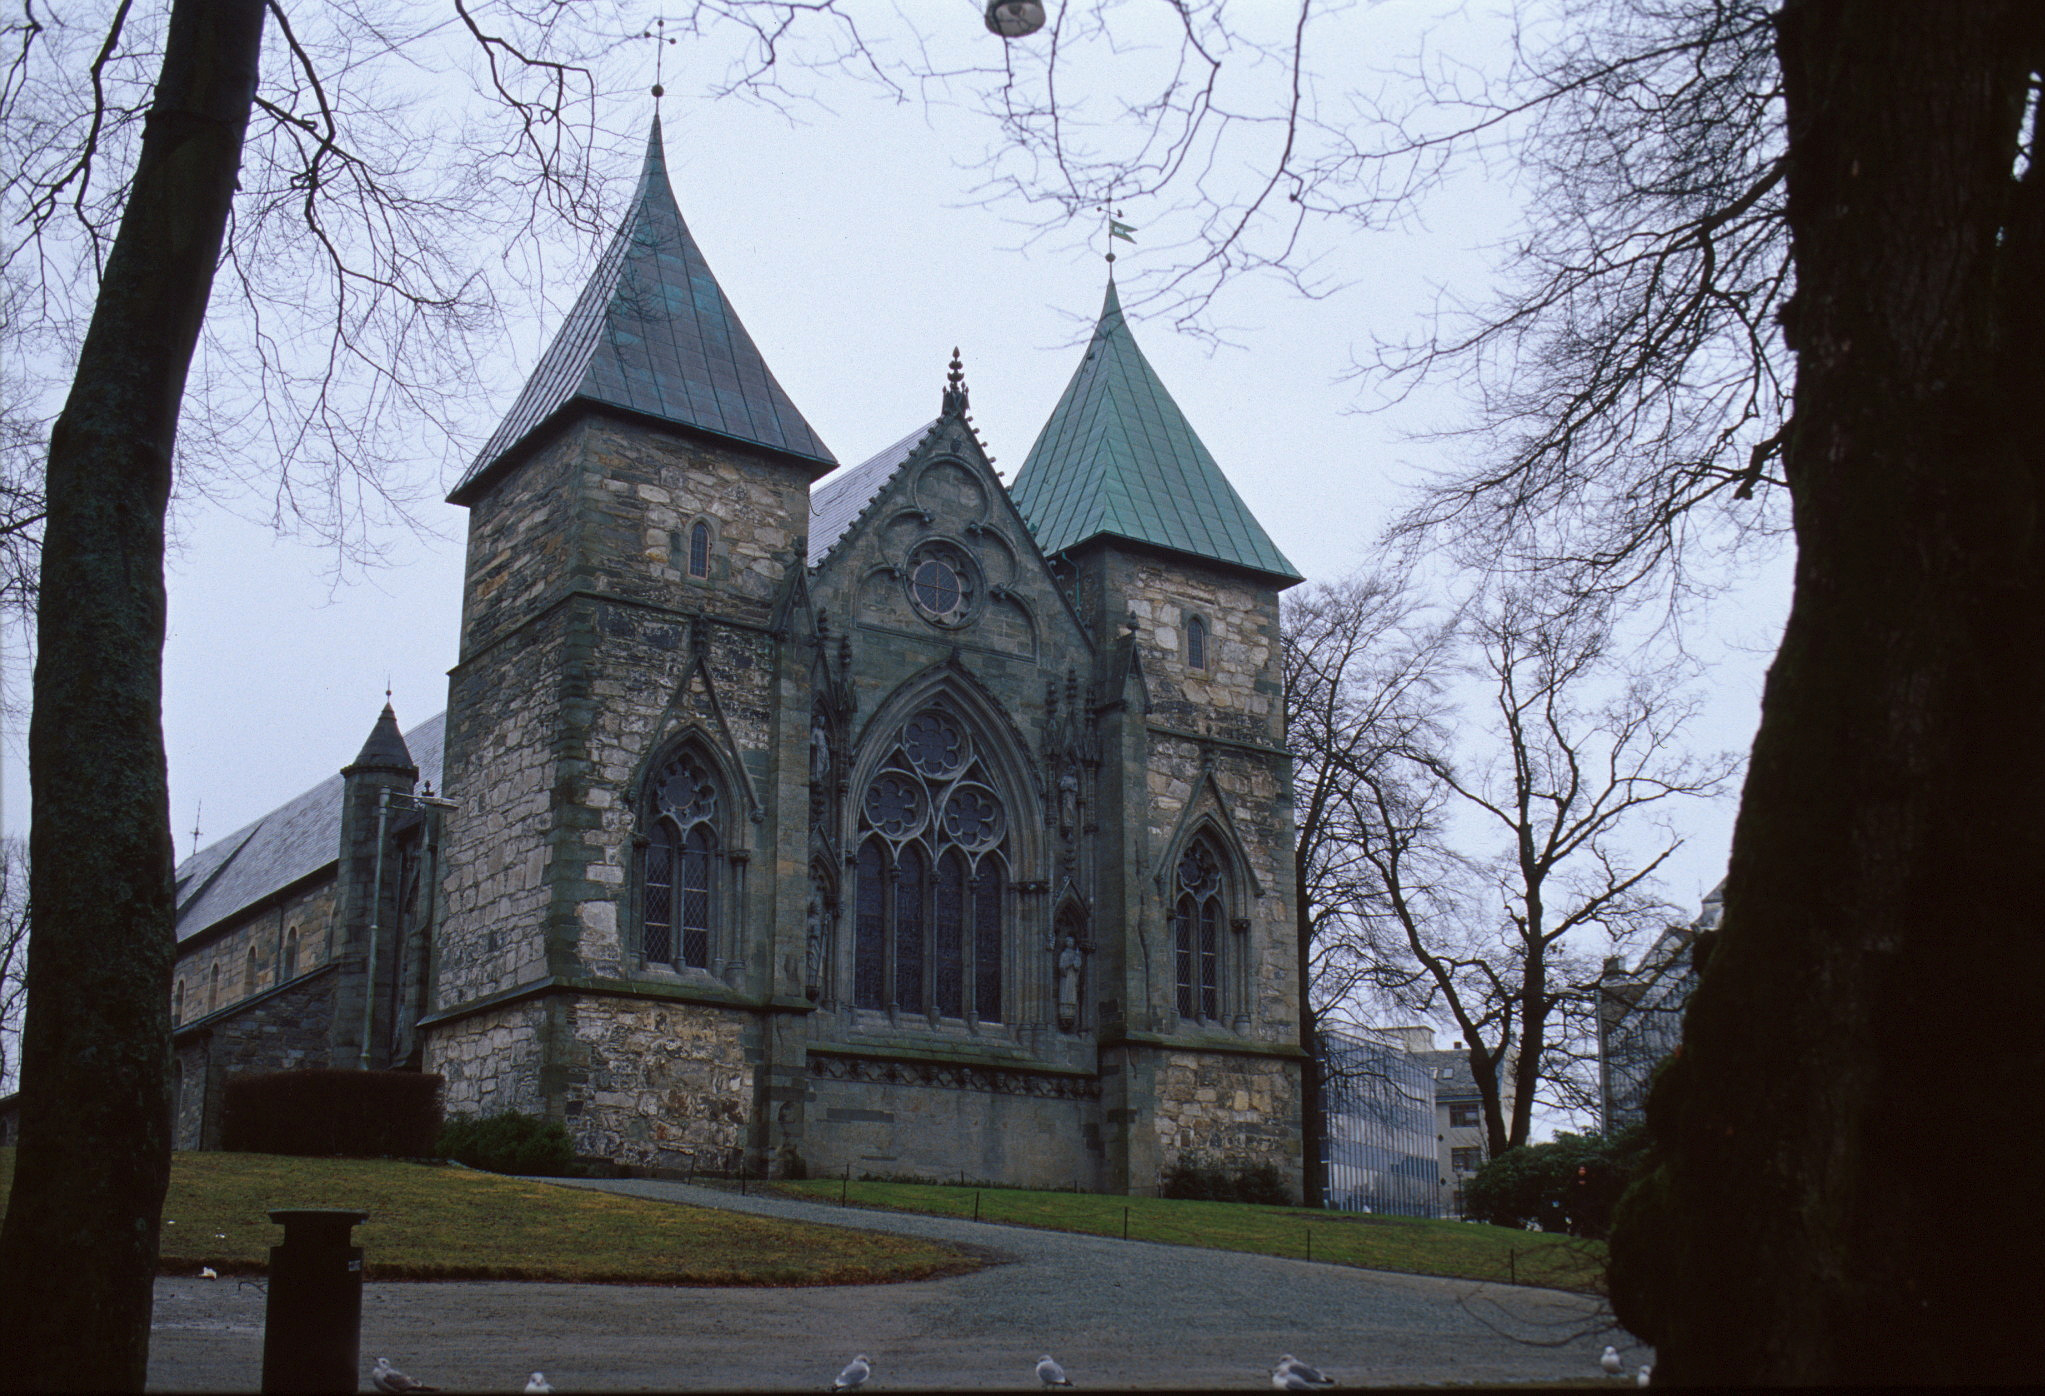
325 1112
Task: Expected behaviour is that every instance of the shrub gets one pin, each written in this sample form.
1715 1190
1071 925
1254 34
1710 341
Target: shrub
1569 1184
509 1143
325 1112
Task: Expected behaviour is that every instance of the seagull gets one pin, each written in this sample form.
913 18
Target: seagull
1610 1361
1289 1379
537 1385
1640 1378
855 1374
1310 1375
390 1380
1050 1373
207 1272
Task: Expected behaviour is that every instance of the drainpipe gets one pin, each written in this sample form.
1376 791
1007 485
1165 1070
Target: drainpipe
383 808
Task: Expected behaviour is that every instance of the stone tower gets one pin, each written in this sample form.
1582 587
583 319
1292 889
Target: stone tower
368 939
1178 584
616 913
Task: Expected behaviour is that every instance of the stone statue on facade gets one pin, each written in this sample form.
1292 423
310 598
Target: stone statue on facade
1071 964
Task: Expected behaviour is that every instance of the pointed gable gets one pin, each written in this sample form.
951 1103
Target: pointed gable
653 333
1118 458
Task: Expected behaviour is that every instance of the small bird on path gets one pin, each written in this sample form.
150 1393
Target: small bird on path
1050 1373
1641 1377
1286 1379
855 1374
538 1385
391 1381
1610 1361
1312 1376
207 1272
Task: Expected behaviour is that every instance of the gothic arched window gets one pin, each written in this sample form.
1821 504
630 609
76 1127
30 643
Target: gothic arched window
291 953
177 1003
1199 909
927 911
678 888
1196 643
699 549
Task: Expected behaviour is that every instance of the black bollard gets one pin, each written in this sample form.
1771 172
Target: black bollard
312 1335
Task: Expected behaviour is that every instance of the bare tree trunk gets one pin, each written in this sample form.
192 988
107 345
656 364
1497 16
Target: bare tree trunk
78 1251
1818 1214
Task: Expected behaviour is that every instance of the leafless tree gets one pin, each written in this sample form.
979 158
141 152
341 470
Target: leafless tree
13 956
284 212
1364 664
1504 855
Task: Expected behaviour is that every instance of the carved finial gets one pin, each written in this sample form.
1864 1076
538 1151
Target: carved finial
955 385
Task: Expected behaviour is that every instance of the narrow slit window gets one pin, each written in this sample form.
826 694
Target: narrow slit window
699 550
1196 643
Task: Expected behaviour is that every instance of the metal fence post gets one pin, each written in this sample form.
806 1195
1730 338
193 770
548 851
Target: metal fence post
312 1326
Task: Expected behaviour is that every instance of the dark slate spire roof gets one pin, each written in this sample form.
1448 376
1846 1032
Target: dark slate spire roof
294 841
1119 458
653 333
385 750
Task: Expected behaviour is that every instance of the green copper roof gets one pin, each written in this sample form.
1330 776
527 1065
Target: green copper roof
1119 458
653 333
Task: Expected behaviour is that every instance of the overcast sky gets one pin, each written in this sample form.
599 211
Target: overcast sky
853 248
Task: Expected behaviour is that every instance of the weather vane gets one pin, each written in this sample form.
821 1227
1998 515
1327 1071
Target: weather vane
660 41
1117 229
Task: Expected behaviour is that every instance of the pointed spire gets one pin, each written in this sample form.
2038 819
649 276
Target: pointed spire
385 750
653 333
955 386
1119 458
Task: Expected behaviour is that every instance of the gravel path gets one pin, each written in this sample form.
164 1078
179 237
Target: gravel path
1115 1313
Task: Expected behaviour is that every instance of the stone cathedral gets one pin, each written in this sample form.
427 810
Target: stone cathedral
799 818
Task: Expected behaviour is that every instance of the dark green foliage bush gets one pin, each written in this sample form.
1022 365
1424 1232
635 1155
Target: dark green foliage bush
1259 1184
509 1143
1569 1184
325 1112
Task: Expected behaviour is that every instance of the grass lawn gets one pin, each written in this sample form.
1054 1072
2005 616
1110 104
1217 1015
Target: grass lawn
1461 1250
428 1223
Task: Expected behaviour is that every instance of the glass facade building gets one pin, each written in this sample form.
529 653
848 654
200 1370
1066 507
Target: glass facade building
1378 1143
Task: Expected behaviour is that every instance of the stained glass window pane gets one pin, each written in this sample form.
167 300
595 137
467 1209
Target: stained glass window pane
937 588
696 873
934 744
910 876
894 804
948 927
987 942
657 937
972 817
1196 643
1210 959
699 550
870 929
1182 941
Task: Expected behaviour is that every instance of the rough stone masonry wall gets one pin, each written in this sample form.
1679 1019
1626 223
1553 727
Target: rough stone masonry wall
659 1085
491 1061
1231 1112
906 1129
264 935
1236 699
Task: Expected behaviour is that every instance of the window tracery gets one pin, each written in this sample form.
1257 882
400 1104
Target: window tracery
678 901
1198 909
931 869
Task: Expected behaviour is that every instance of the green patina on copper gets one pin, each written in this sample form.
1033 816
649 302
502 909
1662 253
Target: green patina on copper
1118 458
